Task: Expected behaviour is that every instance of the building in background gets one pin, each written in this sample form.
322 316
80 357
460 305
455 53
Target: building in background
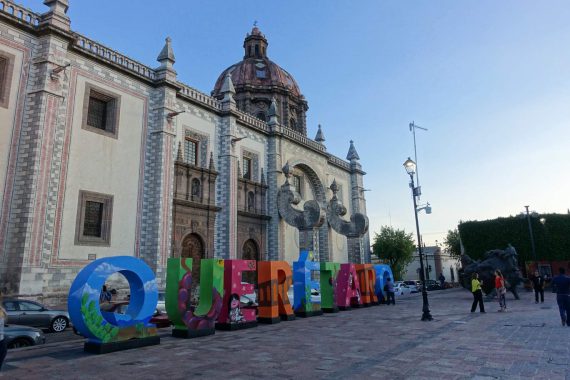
436 261
102 155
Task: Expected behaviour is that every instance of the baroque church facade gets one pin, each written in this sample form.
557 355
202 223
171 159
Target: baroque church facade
101 155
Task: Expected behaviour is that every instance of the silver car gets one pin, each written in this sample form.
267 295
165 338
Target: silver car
30 313
23 336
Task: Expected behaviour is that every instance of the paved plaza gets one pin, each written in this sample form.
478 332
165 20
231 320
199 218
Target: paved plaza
388 342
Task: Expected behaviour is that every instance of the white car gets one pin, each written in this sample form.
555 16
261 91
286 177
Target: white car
400 288
315 295
414 286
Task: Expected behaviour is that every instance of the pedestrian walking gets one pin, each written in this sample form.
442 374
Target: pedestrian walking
562 285
389 288
538 286
442 280
501 290
3 348
477 293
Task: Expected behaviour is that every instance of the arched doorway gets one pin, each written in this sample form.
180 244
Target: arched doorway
193 247
250 251
318 191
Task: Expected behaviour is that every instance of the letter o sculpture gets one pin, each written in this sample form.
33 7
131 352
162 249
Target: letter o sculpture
102 327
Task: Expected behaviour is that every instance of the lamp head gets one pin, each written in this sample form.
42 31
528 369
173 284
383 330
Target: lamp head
542 221
410 166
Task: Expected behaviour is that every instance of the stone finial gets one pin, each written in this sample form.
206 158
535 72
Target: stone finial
287 170
334 188
352 154
272 112
320 137
228 90
166 54
211 166
57 15
179 155
228 85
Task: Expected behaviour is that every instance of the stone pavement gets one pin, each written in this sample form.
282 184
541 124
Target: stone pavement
387 342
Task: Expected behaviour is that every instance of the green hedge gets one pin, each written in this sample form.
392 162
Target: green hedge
552 240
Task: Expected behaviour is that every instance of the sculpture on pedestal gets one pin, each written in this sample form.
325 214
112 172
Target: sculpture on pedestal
353 230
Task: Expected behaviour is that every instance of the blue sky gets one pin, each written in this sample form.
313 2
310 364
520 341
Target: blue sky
489 79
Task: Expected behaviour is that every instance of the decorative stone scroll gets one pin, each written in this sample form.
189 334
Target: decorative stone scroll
353 230
307 221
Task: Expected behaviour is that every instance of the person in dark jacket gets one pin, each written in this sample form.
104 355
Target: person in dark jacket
538 286
562 285
389 288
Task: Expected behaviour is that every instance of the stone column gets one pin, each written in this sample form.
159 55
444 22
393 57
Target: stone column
357 200
27 232
226 223
273 172
156 234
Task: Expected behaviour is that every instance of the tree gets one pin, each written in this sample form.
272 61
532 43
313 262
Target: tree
453 244
395 247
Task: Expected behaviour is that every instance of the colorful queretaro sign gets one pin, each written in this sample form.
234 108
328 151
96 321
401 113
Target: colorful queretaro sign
191 320
306 290
107 331
221 296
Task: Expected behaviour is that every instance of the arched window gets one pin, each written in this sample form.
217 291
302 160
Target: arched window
193 247
261 116
249 51
257 50
250 201
195 189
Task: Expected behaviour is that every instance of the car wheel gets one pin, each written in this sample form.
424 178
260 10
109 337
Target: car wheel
20 342
59 324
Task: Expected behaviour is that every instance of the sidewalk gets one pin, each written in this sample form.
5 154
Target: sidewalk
387 342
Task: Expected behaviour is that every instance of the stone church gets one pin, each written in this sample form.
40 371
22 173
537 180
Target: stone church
102 155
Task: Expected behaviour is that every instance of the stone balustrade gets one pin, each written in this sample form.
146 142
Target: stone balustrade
198 96
23 15
339 162
253 121
94 48
296 136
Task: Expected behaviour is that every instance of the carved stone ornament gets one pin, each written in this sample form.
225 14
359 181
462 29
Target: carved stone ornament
312 216
358 224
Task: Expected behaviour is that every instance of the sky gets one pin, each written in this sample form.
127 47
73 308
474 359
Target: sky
490 80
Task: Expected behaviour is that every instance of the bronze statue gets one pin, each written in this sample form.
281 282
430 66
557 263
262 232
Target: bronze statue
504 260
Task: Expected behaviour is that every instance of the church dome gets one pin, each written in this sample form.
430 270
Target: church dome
256 71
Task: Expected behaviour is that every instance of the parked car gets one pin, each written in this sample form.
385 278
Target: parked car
400 288
413 285
433 285
30 313
315 295
23 336
161 304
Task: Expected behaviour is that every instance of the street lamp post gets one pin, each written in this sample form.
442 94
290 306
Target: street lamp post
531 234
410 167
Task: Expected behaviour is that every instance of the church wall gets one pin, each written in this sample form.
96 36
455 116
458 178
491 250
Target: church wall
107 165
14 53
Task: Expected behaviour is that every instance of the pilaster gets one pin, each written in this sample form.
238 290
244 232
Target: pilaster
226 197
